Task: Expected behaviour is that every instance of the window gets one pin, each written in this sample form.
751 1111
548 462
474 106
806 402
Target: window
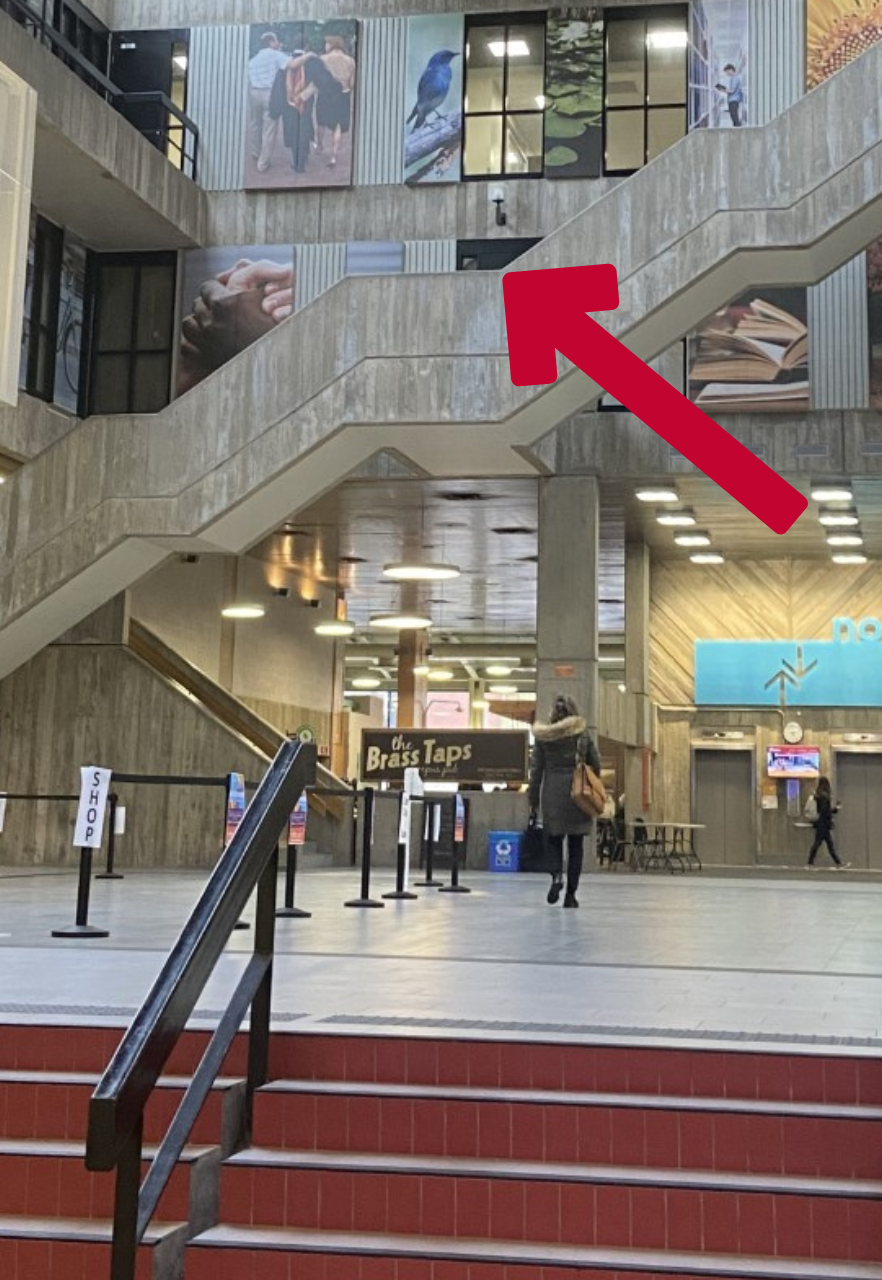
645 85
150 67
489 255
504 97
41 310
132 332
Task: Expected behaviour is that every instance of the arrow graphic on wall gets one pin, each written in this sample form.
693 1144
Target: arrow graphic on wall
545 313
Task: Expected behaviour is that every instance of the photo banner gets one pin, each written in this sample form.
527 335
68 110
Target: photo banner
574 94
718 64
300 79
837 32
752 355
433 99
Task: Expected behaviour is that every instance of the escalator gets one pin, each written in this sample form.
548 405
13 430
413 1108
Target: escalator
424 371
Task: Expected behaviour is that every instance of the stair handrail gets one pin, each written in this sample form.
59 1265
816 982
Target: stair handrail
116 1109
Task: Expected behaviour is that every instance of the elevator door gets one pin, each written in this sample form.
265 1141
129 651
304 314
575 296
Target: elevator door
858 830
723 803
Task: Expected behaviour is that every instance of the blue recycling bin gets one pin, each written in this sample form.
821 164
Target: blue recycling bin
504 850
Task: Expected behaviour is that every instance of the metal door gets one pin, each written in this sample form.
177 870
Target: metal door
858 789
723 802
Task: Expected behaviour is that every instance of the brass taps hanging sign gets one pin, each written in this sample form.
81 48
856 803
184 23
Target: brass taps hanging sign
444 755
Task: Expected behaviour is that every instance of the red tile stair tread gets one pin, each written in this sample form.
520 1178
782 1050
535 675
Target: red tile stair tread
28 1227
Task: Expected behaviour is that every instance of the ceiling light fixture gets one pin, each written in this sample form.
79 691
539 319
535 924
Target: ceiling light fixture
675 519
623 688
842 519
440 674
849 557
667 39
421 669
243 611
657 495
832 493
707 557
338 628
514 48
499 670
420 572
844 540
692 539
399 622
365 682
503 688
480 704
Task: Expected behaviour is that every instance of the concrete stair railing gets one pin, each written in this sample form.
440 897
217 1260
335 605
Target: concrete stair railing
382 364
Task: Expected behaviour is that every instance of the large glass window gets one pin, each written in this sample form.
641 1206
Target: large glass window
132 332
646 84
40 328
504 96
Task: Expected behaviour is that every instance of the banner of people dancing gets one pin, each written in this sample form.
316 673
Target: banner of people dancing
837 32
301 91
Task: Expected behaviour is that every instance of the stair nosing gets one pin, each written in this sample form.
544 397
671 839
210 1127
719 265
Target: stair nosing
510 1252
540 1097
65 1148
21 1075
97 1230
408 1164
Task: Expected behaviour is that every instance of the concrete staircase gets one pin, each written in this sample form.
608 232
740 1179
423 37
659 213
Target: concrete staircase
380 364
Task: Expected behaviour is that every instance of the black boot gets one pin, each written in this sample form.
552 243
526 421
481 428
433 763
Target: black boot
571 900
554 891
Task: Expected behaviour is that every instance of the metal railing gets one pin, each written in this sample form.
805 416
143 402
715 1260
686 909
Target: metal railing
165 125
116 1109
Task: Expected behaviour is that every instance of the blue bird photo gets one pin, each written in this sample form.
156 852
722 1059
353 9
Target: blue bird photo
433 87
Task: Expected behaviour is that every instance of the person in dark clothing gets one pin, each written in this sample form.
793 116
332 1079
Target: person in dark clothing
557 748
823 823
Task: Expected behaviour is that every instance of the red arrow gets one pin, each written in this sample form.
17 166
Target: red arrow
545 310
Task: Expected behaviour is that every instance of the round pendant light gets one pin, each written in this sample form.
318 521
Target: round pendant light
243 611
404 572
399 622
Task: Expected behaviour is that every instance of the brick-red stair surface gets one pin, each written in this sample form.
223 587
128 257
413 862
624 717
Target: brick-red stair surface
54 1214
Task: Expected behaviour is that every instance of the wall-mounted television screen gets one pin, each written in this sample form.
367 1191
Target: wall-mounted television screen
793 762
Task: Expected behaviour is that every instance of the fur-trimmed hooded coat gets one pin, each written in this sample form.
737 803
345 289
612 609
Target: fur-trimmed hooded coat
555 751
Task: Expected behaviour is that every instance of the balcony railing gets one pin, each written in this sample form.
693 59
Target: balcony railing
154 115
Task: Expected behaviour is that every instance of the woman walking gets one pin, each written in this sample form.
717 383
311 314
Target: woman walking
823 823
558 746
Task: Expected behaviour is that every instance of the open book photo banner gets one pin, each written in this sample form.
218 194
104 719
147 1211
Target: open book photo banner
752 355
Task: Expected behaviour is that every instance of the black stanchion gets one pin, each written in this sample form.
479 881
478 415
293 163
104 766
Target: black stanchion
430 808
353 844
240 924
108 873
459 846
289 911
367 831
399 891
82 928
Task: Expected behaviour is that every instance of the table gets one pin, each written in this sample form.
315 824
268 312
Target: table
661 850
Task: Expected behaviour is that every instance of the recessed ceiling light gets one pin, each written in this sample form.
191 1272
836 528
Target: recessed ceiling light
480 704
365 682
338 628
514 48
399 622
838 518
849 557
440 674
706 557
675 519
421 669
667 39
692 539
844 540
832 493
241 611
658 495
503 688
498 670
420 572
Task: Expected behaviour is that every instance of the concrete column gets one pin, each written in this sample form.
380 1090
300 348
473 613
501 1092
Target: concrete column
637 564
411 687
566 624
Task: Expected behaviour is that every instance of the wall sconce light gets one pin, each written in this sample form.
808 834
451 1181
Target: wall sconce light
497 198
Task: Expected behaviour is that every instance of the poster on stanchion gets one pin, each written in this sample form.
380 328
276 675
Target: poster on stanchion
459 820
235 805
94 786
297 822
2 811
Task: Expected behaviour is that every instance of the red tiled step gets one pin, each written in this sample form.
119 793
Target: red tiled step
631 1068
55 1105
243 1253
50 1179
836 1140
59 1249
562 1203
29 1047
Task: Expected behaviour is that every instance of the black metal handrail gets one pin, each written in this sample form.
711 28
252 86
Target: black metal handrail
116 1110
40 24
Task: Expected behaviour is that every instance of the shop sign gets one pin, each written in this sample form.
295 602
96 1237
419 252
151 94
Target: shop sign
94 786
449 755
845 671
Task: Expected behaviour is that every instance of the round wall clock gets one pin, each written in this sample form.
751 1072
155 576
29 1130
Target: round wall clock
793 731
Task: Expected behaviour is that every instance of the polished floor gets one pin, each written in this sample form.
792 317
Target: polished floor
795 961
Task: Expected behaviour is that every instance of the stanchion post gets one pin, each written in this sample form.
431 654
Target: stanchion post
430 882
82 928
399 892
240 924
455 886
367 833
289 911
353 844
108 873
